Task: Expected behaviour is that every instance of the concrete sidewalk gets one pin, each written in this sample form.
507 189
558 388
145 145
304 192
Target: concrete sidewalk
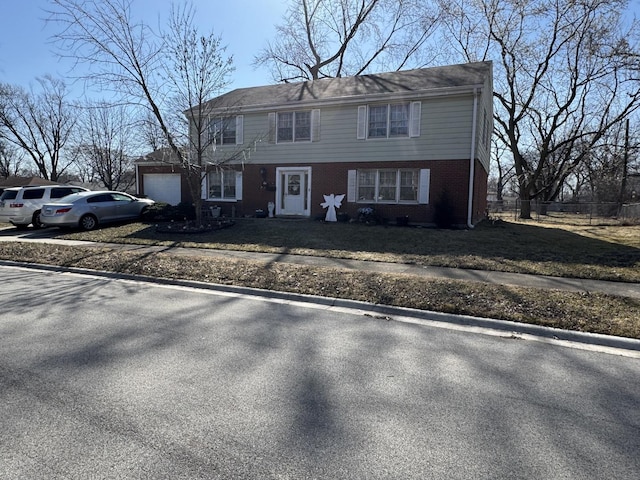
631 290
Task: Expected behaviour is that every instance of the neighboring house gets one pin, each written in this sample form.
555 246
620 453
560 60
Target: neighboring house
393 141
23 182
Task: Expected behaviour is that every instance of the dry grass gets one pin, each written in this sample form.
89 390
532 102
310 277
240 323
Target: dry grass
605 252
575 311
583 251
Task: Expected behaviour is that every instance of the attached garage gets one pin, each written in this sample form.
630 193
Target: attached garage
163 187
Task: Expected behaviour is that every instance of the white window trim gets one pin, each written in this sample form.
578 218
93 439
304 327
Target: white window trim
424 180
413 122
239 124
238 181
314 127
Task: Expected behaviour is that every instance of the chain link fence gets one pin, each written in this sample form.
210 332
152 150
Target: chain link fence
577 213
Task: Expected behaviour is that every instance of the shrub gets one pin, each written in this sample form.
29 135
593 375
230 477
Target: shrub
444 211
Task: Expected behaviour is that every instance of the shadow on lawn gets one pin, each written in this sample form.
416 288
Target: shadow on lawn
495 242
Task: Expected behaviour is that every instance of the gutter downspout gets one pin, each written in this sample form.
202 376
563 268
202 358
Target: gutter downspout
472 160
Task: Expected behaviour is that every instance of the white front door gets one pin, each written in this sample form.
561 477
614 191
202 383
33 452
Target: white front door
293 191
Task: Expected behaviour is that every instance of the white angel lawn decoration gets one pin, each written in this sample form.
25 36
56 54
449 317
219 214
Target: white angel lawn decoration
331 202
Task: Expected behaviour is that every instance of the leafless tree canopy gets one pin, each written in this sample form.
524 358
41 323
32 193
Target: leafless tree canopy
11 159
107 144
40 123
169 72
335 38
566 73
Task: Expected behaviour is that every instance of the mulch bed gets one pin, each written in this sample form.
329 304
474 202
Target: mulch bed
192 227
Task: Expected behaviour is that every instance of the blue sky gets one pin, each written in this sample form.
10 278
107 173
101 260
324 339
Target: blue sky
244 25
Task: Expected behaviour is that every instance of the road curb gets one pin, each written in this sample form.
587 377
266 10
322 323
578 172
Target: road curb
504 328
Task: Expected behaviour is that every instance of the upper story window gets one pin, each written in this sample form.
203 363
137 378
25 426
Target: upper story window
390 120
226 130
294 126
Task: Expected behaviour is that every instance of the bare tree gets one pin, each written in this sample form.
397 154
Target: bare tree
335 38
152 135
566 73
40 124
505 169
108 144
602 176
10 160
173 70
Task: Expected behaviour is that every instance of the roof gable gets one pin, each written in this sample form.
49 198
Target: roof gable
409 82
25 181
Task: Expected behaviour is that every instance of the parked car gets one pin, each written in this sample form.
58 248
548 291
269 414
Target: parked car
21 206
87 210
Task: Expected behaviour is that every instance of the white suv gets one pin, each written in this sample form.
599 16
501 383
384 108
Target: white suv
21 205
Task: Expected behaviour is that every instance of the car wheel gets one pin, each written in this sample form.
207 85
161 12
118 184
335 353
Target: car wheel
36 221
88 222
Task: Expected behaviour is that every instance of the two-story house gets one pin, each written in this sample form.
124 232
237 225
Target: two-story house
393 141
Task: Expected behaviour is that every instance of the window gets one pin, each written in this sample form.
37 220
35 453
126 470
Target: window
303 126
103 197
378 121
391 120
367 185
294 126
285 127
222 131
60 192
222 185
389 186
33 193
409 182
399 120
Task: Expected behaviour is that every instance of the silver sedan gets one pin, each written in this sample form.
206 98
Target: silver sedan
87 210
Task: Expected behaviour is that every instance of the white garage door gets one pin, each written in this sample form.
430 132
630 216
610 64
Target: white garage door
163 187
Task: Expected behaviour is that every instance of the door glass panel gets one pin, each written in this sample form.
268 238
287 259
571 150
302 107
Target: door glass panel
294 185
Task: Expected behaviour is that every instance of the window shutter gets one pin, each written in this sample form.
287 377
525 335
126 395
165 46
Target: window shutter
238 185
351 186
362 122
423 188
272 128
315 125
239 129
204 194
414 119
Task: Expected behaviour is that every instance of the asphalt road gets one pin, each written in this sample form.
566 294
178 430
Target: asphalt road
104 378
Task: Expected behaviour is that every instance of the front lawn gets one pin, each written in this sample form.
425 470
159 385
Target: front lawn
597 252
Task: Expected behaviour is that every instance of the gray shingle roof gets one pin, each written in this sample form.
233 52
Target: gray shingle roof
327 89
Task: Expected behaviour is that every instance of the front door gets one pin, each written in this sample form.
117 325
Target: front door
293 191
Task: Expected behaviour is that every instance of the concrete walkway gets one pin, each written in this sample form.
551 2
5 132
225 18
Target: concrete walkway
596 342
631 290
